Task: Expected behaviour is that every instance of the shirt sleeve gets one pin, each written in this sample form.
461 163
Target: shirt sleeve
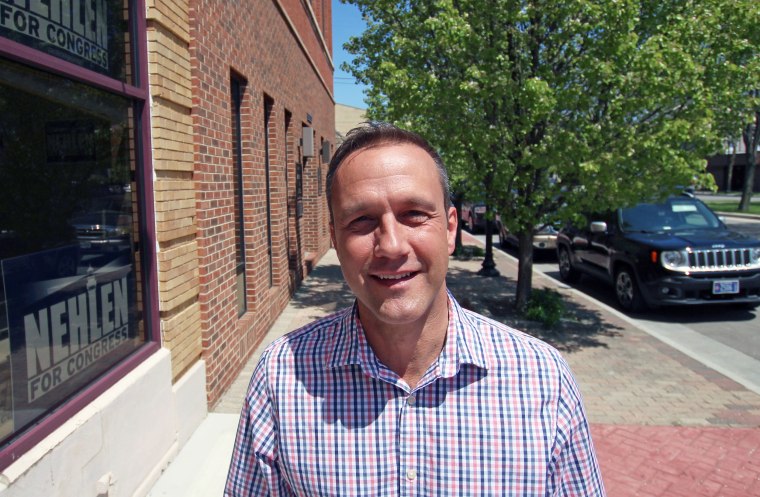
254 470
575 470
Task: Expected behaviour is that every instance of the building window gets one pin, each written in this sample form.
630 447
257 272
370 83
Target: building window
237 86
292 222
72 285
268 106
299 189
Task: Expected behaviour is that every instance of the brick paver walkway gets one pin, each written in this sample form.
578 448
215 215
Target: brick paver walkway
673 461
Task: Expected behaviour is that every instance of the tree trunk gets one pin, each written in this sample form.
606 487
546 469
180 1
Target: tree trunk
524 270
458 199
751 142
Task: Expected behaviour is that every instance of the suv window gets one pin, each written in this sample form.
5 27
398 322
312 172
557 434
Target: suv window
675 214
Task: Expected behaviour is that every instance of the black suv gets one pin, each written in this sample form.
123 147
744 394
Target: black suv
677 252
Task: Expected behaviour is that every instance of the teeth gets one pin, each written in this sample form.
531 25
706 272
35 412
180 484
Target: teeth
393 276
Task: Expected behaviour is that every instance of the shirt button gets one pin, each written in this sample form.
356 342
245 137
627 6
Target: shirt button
411 474
411 400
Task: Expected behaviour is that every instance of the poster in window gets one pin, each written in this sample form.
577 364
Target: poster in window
89 33
70 141
65 329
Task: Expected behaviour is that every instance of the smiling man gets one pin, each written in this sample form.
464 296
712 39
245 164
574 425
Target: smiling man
407 393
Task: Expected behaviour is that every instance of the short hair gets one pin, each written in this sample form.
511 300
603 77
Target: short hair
375 133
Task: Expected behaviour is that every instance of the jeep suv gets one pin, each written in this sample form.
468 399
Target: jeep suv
677 252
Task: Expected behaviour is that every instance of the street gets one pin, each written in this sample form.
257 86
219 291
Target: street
727 338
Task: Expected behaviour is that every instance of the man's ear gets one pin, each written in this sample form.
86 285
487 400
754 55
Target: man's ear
451 229
332 235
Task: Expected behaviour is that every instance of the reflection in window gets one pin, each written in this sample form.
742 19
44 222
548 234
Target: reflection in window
69 294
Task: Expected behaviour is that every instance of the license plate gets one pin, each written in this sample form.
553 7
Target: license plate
725 287
480 210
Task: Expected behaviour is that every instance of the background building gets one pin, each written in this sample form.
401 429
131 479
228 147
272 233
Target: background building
347 118
162 170
730 168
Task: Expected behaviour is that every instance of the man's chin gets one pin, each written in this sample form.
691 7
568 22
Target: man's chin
399 312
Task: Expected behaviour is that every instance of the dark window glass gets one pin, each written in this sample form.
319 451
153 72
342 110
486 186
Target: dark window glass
299 189
236 86
268 105
292 252
70 299
88 33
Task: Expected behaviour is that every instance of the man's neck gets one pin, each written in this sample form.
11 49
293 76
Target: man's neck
408 350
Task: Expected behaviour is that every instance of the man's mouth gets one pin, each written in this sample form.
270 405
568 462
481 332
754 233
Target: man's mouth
393 277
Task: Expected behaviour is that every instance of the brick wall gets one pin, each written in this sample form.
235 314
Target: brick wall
274 47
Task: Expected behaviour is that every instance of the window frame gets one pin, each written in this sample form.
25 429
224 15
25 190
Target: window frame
138 93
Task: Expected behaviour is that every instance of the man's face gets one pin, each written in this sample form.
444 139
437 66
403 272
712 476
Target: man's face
392 233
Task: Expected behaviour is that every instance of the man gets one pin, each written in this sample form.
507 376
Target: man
407 393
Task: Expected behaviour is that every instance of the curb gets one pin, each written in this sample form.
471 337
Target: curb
738 214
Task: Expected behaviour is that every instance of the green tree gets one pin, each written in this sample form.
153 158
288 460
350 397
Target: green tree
751 138
553 108
730 48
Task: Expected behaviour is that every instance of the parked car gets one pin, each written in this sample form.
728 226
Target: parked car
676 252
105 225
54 257
544 239
474 216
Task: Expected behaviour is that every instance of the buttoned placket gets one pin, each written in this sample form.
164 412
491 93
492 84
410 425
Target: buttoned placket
408 426
410 437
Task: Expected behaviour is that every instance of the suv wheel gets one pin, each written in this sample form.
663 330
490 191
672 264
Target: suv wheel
627 291
566 270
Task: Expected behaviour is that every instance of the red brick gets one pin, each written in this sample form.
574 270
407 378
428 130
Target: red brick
693 461
254 39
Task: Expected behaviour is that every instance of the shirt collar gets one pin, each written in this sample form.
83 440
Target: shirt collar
464 345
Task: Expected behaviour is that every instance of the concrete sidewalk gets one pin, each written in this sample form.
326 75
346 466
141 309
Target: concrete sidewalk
664 423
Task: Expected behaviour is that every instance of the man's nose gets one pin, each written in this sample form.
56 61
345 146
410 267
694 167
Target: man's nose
390 238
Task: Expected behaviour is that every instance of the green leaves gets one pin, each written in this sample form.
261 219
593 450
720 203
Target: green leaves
548 108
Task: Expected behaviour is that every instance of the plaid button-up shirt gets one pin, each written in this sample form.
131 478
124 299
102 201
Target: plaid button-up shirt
498 413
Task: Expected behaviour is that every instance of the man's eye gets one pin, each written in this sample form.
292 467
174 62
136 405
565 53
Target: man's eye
416 216
361 222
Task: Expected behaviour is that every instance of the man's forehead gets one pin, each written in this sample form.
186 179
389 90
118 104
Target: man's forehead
388 160
387 147
407 164
401 198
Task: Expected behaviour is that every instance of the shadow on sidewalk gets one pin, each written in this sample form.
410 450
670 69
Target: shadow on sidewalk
494 297
325 291
324 288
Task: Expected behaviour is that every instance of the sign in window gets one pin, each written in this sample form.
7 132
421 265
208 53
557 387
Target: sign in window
89 33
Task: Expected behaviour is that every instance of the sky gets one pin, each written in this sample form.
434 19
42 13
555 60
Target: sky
346 22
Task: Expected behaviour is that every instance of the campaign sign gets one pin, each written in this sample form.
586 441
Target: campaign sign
64 331
70 141
76 28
